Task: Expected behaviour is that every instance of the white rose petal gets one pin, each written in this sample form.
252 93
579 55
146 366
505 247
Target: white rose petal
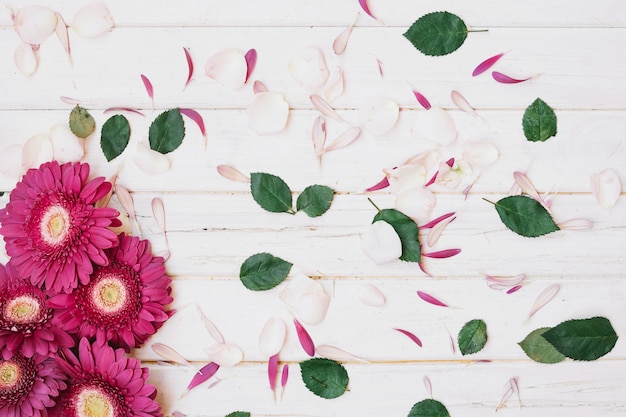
370 294
93 20
606 187
435 125
306 299
227 67
65 145
267 113
378 115
224 354
381 243
25 59
36 151
149 161
308 67
34 23
418 204
272 337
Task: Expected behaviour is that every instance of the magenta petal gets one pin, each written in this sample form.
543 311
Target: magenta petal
366 8
196 117
450 162
430 299
204 374
285 375
384 183
422 100
447 253
505 79
189 66
486 64
250 56
305 339
432 179
272 370
148 85
410 335
438 220
513 289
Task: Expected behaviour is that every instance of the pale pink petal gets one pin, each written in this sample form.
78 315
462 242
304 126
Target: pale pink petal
26 59
428 386
272 336
528 187
232 173
337 354
158 211
576 224
504 282
122 109
381 243
70 100
178 414
250 57
422 100
11 161
462 103
410 335
318 135
370 295
126 200
305 339
366 8
259 87
169 354
428 159
452 176
430 299
150 161
418 204
544 298
335 85
93 20
480 153
341 41
505 79
66 146
437 230
378 115
510 388
224 354
515 387
63 36
435 125
438 220
189 66
486 64
267 113
211 327
325 108
344 139
34 23
204 374
308 67
606 187
306 298
227 67
36 150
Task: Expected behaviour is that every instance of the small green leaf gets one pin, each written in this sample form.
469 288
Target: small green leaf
429 408
315 200
472 337
406 229
114 136
325 378
263 271
81 122
539 121
539 349
271 192
583 340
167 131
239 414
525 216
437 33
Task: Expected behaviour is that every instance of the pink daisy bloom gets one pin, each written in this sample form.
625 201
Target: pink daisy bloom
103 382
124 301
29 385
51 228
27 322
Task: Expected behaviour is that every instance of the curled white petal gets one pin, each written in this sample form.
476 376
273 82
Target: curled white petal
435 125
306 298
381 243
34 23
370 295
93 20
66 146
378 115
227 67
36 151
308 67
606 187
25 59
224 354
267 113
11 161
406 177
272 337
417 204
480 153
150 161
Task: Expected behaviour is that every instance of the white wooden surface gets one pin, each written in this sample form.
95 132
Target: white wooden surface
214 224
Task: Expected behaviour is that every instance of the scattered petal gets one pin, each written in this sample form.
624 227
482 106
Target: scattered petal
576 224
227 67
11 161
70 100
37 150
442 254
480 153
284 376
93 20
308 67
232 173
380 67
462 103
158 211
272 371
504 282
435 125
418 204
378 115
510 388
62 35
606 187
169 354
34 23
318 135
66 146
428 386
430 299
259 87
451 341
370 295
382 184
326 109
544 298
341 41
211 327
189 66
423 101
149 161
305 339
178 414
486 64
122 109
26 60
452 176
335 85
406 178
334 353
513 289
515 387
272 337
306 299
528 187
267 113
204 374
343 140
436 221
149 89
366 8
410 335
505 79
250 57
197 118
381 243
126 200
224 355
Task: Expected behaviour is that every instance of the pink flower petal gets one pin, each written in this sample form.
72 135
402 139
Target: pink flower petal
576 224
70 100
428 386
510 388
122 109
63 36
158 211
486 64
259 87
528 187
436 221
335 85
366 8
272 371
168 353
337 354
544 298
251 57
285 376
232 173
437 230
447 253
410 335
384 183
272 337
189 66
149 89
318 135
370 295
430 299
505 79
341 41
344 139
227 67
211 327
380 67
196 117
305 339
204 374
514 289
462 103
26 59
504 282
423 101
126 200
325 108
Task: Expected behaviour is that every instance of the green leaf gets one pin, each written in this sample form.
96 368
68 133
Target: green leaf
239 414
437 33
270 192
114 136
81 122
525 216
325 378
539 349
429 408
583 340
472 337
406 229
539 121
315 200
167 131
263 271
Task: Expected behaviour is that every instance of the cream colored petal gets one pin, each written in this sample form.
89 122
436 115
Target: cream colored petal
267 113
378 115
381 243
418 204
480 153
149 161
34 23
337 354
370 295
25 58
227 67
272 337
308 68
606 187
406 177
93 20
36 151
435 125
66 146
306 298
224 354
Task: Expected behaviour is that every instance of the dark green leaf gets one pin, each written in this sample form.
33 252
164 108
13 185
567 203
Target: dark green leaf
324 377
437 33
239 414
81 122
263 271
406 229
539 121
429 408
539 349
114 136
525 216
315 200
270 192
167 131
472 337
583 340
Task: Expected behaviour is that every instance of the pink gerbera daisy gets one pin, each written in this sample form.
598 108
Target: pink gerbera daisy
51 228
29 385
124 301
105 383
27 322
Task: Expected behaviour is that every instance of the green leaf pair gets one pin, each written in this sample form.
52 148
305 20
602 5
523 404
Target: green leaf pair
406 229
525 216
325 378
274 195
581 340
263 271
472 337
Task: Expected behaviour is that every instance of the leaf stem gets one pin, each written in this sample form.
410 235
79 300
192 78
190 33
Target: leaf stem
478 30
374 204
488 201
291 211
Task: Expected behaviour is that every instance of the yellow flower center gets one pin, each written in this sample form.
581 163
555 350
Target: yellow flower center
109 294
55 225
22 309
9 374
93 403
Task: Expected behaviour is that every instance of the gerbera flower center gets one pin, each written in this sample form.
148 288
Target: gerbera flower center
92 402
109 294
55 225
9 375
23 309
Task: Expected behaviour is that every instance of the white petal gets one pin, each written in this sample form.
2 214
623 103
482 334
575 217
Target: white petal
224 354
36 151
232 173
308 67
334 353
370 294
344 139
34 23
406 177
26 59
93 20
418 204
480 153
65 145
435 125
381 243
149 161
428 159
378 115
451 177
11 161
272 337
267 113
227 67
335 86
306 299
606 187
